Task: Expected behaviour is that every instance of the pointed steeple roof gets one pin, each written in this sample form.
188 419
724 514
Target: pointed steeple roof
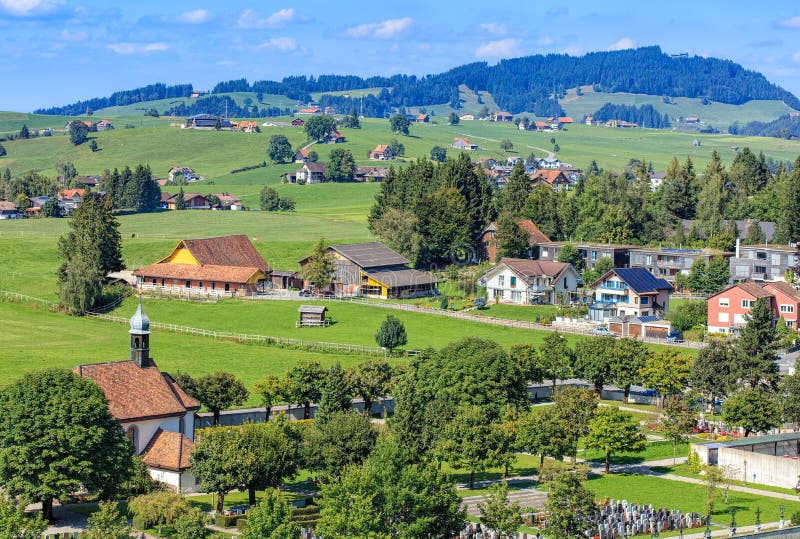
140 323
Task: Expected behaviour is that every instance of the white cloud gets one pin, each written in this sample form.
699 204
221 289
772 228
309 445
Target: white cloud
496 50
381 30
545 40
138 48
29 7
249 18
792 22
622 44
196 16
66 35
494 28
283 44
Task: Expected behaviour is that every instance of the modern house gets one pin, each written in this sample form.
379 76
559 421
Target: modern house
373 270
590 252
225 265
461 143
728 310
311 173
765 262
487 244
668 263
155 413
524 282
629 292
382 152
187 173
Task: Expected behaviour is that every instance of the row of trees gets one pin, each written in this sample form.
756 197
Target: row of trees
131 189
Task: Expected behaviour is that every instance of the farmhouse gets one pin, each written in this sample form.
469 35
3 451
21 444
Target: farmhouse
311 173
155 413
466 117
301 156
464 144
370 174
373 270
227 201
8 210
336 137
382 152
104 125
502 116
629 292
487 244
192 201
524 282
225 265
202 121
423 119
309 110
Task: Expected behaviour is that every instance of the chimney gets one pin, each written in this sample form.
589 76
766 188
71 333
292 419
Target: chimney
738 243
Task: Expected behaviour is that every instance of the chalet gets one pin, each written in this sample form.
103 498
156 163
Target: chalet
192 201
298 122
590 252
246 126
311 173
589 120
502 116
203 121
382 152
728 310
310 110
301 156
156 415
335 137
466 117
423 119
565 120
555 179
104 125
227 201
461 143
373 270
165 197
524 282
87 181
188 173
538 126
69 124
370 174
487 244
629 292
330 111
226 265
69 199
8 210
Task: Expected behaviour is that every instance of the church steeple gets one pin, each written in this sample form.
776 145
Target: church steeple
140 337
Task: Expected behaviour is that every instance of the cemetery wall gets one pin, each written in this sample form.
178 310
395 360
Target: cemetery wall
760 468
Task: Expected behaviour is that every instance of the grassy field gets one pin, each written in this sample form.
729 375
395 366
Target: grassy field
161 105
35 339
720 115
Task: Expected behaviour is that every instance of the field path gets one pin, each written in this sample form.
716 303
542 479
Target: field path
550 155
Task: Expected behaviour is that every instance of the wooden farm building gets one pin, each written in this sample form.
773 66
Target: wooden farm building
228 265
373 270
312 315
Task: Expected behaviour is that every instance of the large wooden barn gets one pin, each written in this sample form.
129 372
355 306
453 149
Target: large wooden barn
228 265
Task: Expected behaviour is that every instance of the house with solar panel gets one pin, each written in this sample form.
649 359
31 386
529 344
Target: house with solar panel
373 270
629 292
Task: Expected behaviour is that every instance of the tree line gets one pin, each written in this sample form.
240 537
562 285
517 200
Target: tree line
131 189
225 106
785 127
644 116
151 92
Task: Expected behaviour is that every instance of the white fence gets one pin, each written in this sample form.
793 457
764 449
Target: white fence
13 297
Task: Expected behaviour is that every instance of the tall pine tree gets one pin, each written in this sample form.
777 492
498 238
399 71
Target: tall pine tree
711 200
787 229
517 190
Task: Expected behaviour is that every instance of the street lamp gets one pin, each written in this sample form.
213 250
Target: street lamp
733 522
707 532
758 520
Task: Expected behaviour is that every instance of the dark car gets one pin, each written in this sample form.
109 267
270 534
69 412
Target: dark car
674 336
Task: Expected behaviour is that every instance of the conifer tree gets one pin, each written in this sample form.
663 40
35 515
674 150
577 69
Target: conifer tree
712 197
755 349
517 190
787 229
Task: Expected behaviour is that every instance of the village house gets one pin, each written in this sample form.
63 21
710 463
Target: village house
622 124
335 137
298 122
633 292
191 201
728 309
555 179
461 143
382 152
202 121
370 174
565 120
487 244
538 126
310 110
155 413
423 119
589 120
246 126
227 201
9 210
467 117
786 303
104 125
668 263
69 199
187 173
502 116
524 282
88 181
311 173
373 270
225 265
68 126
590 252
301 156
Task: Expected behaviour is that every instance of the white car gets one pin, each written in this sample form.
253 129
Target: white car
601 331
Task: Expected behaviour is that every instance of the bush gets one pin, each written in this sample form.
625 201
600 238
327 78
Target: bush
694 462
228 521
139 523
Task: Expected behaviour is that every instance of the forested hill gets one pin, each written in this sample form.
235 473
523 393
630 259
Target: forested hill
528 84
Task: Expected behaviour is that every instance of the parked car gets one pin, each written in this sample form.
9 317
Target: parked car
674 336
306 293
601 330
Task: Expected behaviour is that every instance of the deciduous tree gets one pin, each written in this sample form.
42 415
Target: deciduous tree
279 150
391 334
219 391
612 430
319 127
753 409
667 372
271 519
399 124
213 460
305 384
272 390
468 441
569 504
676 422
336 393
341 165
107 523
498 514
556 357
16 523
319 268
371 380
345 437
438 154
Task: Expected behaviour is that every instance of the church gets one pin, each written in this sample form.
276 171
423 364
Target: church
155 413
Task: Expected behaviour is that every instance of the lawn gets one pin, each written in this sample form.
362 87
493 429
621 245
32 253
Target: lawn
35 339
688 497
684 471
653 451
528 313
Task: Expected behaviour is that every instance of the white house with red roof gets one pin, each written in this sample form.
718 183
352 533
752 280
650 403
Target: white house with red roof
524 282
155 413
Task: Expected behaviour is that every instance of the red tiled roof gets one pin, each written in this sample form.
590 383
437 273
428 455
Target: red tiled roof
536 235
134 392
565 120
784 288
168 451
380 148
534 268
540 124
550 176
235 250
70 193
754 289
209 272
5 205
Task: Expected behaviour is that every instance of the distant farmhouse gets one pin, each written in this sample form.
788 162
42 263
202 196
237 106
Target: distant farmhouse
382 152
461 143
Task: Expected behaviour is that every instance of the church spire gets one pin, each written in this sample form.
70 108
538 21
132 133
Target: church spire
140 337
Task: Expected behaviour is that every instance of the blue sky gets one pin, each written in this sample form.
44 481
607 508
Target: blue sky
54 52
